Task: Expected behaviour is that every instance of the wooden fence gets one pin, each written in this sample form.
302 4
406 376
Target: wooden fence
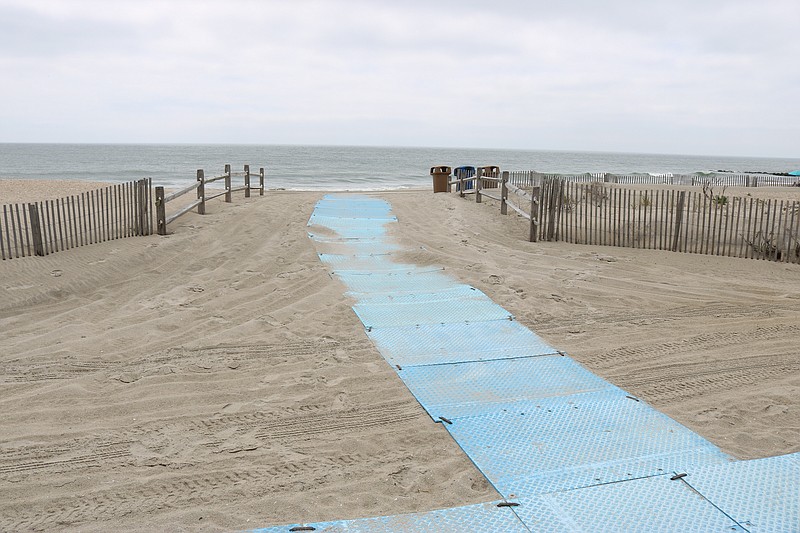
670 219
42 228
162 220
605 214
530 178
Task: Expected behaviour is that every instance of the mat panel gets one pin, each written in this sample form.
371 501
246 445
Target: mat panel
364 263
335 238
429 310
358 247
368 213
448 292
604 434
763 494
642 505
451 343
484 517
610 471
421 279
470 389
337 222
352 210
351 232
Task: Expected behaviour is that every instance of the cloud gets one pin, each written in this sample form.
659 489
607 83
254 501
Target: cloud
621 75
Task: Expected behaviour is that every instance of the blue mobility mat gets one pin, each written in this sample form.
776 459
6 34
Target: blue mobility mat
470 389
364 263
370 231
346 224
421 279
430 309
562 443
359 247
432 344
344 212
335 238
647 505
479 518
763 495
447 292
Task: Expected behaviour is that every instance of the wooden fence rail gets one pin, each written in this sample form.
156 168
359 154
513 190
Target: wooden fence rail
162 199
42 228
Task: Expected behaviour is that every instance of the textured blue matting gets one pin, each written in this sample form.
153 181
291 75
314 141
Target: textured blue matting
366 263
369 236
446 292
479 518
763 494
358 247
562 443
370 231
468 389
432 344
430 309
346 224
654 504
574 452
420 279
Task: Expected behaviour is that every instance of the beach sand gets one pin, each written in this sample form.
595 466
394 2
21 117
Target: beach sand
216 378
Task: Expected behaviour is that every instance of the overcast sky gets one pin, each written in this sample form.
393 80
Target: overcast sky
690 77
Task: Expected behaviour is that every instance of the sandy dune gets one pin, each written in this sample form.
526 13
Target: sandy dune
217 378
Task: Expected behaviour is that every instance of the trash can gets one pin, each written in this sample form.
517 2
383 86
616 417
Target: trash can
464 172
492 172
441 175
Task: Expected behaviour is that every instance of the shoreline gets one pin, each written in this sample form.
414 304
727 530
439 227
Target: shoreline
22 190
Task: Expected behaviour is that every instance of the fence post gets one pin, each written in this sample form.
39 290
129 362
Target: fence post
504 193
150 206
137 208
261 181
678 220
161 212
201 192
247 181
461 184
143 208
36 229
533 235
478 185
228 183
551 208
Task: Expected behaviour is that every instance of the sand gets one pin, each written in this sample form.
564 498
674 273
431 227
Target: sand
216 378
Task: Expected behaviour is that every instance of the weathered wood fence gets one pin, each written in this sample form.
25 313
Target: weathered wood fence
607 214
162 220
42 228
530 178
670 219
509 195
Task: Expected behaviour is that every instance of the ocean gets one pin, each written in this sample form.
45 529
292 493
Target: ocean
333 167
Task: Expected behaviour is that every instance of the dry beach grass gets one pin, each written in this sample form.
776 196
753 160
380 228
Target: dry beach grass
217 378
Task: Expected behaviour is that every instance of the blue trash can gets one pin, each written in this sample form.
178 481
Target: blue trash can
464 172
